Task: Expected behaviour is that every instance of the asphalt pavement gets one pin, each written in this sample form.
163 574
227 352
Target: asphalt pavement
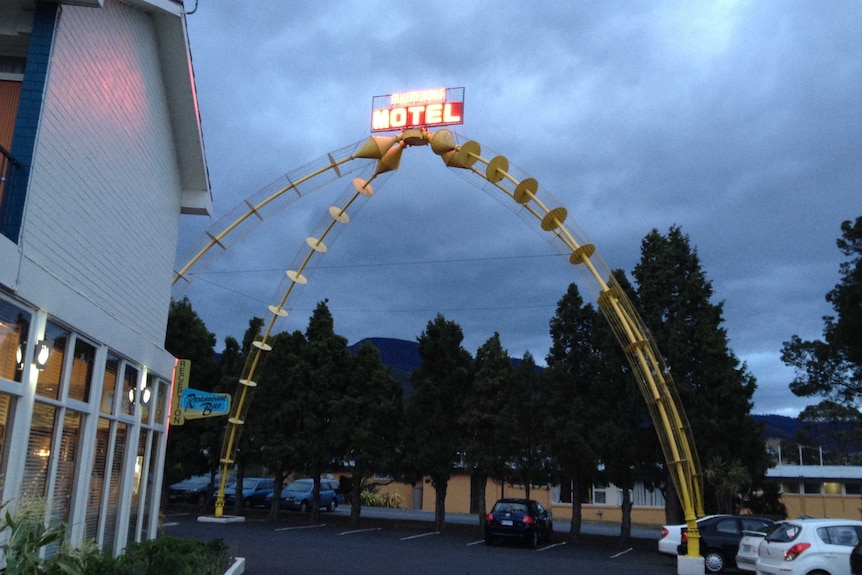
604 528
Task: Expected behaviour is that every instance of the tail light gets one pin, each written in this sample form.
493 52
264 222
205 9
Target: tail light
489 518
684 537
795 551
664 532
528 520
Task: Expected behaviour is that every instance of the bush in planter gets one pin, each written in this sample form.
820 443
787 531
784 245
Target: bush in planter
28 535
165 555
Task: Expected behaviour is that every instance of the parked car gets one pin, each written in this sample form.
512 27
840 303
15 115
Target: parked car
254 491
856 559
671 536
803 546
298 495
522 519
195 490
746 554
720 537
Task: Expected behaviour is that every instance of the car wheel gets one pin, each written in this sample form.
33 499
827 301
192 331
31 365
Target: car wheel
713 561
246 503
533 539
201 499
332 505
304 506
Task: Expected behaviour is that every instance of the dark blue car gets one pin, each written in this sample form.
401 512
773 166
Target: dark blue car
522 520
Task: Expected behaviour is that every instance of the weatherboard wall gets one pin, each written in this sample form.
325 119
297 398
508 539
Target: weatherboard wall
104 198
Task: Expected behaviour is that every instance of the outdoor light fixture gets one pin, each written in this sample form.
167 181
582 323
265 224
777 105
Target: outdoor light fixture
145 395
19 357
43 351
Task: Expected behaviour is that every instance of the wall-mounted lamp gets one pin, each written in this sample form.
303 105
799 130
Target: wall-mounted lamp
43 352
19 357
145 395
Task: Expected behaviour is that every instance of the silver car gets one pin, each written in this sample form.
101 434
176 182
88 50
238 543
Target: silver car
746 556
803 546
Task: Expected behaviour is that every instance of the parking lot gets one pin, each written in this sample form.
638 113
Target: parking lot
399 546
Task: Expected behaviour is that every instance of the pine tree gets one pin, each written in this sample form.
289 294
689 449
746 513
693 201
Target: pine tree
832 368
368 418
488 428
434 438
715 389
569 397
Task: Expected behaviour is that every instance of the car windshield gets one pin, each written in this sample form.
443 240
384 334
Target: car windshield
509 507
300 486
784 532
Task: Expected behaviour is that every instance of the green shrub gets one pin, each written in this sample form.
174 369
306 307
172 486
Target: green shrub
28 535
371 498
166 555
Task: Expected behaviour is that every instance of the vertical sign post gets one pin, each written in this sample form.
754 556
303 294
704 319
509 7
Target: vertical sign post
181 383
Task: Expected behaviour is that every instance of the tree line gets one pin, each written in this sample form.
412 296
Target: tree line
576 422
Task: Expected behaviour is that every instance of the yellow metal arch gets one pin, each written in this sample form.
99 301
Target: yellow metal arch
536 206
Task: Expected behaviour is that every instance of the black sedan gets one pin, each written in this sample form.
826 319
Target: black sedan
856 559
520 519
720 536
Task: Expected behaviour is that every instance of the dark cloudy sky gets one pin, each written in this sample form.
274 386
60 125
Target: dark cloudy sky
740 122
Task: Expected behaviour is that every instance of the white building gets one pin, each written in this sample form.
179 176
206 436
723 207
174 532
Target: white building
102 152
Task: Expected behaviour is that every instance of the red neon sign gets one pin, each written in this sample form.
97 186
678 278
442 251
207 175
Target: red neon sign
417 109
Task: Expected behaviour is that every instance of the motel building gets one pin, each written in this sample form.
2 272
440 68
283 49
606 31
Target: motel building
101 153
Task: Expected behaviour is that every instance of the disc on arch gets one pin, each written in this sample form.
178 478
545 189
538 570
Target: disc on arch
363 187
554 218
468 153
526 190
497 169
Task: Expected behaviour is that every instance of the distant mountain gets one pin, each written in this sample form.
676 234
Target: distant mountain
778 426
401 356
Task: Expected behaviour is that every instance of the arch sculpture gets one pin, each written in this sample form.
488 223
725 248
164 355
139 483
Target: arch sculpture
378 156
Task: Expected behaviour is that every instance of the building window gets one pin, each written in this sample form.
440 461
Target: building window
791 488
853 488
832 488
164 389
114 482
14 331
83 364
5 409
97 480
812 488
38 452
130 388
109 385
50 377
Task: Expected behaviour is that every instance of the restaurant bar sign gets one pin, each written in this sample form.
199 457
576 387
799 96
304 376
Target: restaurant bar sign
417 109
191 403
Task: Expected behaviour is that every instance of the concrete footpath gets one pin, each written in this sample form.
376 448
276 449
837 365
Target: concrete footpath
560 525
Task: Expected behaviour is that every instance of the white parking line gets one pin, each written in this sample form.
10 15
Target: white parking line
418 536
476 542
551 546
302 527
360 531
621 553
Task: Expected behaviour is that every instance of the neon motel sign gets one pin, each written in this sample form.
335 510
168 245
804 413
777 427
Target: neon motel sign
417 109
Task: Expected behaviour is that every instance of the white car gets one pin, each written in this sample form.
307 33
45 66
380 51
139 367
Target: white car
802 546
671 537
746 556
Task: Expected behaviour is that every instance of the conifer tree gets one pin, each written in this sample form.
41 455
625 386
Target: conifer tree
715 389
433 435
